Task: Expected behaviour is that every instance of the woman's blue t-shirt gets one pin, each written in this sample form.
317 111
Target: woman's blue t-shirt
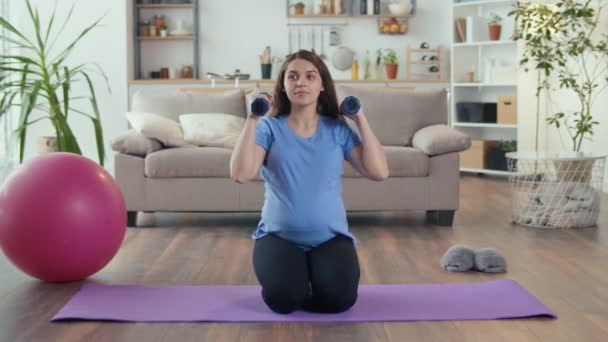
303 180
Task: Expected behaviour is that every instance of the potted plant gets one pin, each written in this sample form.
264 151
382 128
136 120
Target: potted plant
558 41
494 26
163 30
496 154
390 61
42 79
299 8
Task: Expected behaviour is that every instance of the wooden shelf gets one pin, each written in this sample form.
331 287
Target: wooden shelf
359 16
381 16
486 171
425 62
318 16
490 125
425 50
486 43
425 73
188 37
483 3
206 81
157 6
474 84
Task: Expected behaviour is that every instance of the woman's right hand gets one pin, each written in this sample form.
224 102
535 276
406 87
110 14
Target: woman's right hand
258 107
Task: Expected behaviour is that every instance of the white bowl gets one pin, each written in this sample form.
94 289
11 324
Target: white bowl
400 9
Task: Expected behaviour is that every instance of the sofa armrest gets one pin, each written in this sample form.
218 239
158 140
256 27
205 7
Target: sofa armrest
134 143
440 139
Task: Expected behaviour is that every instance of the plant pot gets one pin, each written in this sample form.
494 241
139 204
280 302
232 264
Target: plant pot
494 31
163 33
496 159
47 145
299 10
391 71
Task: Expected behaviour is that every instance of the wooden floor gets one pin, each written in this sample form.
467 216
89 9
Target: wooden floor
565 269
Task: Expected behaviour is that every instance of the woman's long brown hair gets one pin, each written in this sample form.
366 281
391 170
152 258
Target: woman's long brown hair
327 103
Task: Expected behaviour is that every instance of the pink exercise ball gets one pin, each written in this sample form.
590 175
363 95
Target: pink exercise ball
62 217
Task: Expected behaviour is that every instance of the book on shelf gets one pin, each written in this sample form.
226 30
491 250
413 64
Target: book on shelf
461 28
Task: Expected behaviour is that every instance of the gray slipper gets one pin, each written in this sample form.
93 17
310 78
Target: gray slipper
458 258
489 260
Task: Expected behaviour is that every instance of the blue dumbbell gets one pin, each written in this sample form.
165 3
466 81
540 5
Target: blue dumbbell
260 106
350 105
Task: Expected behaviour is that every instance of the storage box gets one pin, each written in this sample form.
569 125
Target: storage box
507 110
477 112
476 156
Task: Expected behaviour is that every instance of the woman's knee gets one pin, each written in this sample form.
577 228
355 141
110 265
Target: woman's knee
284 299
336 299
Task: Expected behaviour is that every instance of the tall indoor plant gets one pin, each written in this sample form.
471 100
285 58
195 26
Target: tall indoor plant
557 40
38 78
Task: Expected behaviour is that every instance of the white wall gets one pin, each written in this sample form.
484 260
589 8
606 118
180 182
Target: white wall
104 45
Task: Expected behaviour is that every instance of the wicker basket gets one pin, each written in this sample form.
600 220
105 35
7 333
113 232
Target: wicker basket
556 191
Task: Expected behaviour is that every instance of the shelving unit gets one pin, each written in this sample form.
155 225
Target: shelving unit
348 11
139 9
413 63
493 64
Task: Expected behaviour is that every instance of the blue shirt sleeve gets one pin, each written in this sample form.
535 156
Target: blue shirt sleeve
263 134
348 138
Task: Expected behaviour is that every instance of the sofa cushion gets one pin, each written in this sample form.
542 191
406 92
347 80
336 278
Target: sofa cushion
189 162
154 126
134 143
212 129
396 114
402 162
440 139
227 102
172 104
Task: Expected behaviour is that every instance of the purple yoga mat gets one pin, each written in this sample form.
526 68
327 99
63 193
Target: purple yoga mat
376 303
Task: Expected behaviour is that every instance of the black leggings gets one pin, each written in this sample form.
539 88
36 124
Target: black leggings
324 279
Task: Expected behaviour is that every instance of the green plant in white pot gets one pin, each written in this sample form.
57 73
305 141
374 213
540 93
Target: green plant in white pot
559 40
38 78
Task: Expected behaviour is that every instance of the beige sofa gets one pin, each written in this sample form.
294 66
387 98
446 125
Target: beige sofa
422 155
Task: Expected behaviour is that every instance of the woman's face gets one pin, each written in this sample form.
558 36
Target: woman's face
302 82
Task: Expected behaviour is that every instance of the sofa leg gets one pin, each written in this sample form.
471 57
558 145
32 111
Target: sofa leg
131 218
440 217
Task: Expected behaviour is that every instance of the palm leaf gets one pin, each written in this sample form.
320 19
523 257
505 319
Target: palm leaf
21 59
26 109
5 105
66 89
63 55
12 29
50 25
96 121
36 20
61 28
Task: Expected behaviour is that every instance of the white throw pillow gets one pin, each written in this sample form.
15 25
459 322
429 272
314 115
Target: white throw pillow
155 126
212 129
